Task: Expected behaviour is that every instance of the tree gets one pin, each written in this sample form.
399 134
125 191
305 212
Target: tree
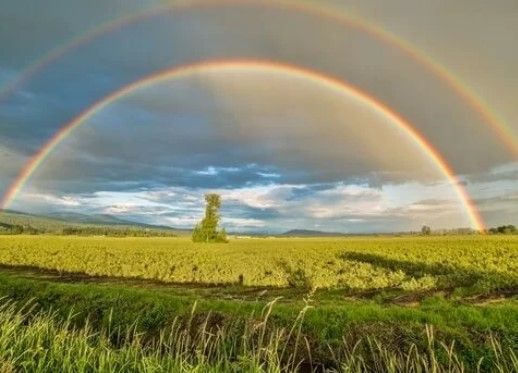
504 229
426 230
207 229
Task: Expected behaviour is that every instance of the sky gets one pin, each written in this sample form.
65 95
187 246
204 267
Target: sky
284 150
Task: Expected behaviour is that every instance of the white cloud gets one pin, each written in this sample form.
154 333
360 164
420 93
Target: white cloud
269 175
213 171
121 209
181 221
50 199
243 223
262 196
209 171
337 207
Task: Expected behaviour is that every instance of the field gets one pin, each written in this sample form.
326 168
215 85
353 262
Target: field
409 263
443 303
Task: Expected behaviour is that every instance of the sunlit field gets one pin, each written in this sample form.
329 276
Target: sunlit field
409 263
445 303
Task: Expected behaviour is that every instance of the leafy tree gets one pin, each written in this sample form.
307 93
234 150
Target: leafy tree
504 229
426 230
207 229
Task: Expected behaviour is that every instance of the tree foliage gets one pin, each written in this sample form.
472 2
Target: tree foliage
504 229
18 229
207 229
426 230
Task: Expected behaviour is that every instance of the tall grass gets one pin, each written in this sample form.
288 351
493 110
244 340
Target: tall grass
37 341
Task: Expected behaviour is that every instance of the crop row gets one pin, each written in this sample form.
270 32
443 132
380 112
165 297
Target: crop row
355 263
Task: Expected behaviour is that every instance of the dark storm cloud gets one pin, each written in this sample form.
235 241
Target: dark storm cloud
125 55
505 172
187 131
499 209
248 212
308 190
511 200
30 29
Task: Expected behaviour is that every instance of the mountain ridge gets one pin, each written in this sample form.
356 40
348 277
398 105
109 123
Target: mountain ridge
311 233
56 221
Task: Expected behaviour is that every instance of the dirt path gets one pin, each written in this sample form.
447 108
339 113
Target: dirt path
248 293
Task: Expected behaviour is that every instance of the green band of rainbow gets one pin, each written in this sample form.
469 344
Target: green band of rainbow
489 116
325 81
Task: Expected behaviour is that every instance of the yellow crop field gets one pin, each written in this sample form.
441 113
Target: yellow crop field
408 263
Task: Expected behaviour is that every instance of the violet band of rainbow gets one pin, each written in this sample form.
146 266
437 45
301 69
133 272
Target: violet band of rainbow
338 86
496 124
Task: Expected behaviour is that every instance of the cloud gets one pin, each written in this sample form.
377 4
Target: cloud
247 138
506 171
269 175
122 209
240 223
212 171
272 207
70 84
283 150
57 201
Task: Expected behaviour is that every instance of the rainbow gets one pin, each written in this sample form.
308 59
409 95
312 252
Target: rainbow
338 86
463 90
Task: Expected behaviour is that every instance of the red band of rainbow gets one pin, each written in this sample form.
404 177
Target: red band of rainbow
328 82
496 124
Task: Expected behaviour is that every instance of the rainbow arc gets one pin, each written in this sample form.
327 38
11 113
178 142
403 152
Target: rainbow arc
338 86
326 12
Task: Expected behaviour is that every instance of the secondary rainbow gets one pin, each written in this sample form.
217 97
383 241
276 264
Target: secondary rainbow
490 117
325 81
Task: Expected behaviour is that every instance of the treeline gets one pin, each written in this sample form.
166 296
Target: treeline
426 231
111 232
503 229
15 229
6 228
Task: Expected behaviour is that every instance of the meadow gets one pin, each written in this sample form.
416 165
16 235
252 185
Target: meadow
441 304
364 263
42 342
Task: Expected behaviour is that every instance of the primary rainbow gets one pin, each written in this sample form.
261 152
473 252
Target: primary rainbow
325 81
462 89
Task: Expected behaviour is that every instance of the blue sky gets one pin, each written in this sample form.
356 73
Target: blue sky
283 153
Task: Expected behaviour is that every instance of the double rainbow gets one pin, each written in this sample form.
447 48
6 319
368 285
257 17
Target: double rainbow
460 88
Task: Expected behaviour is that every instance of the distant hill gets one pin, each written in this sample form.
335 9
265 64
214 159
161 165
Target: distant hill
102 219
63 222
88 219
310 233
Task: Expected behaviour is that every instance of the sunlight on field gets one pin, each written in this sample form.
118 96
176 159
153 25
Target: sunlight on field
409 263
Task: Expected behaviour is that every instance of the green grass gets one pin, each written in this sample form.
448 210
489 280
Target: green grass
42 342
329 329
